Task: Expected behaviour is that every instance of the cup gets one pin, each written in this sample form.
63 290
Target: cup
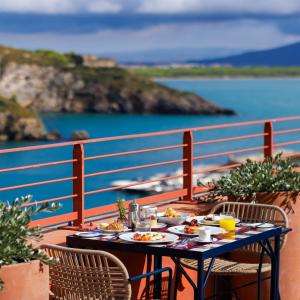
204 235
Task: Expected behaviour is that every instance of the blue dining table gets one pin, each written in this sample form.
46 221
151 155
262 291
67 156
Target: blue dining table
269 241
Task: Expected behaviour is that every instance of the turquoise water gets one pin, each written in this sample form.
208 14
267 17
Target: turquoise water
251 99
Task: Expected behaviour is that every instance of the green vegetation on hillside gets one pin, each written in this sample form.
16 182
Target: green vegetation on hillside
215 72
39 57
12 106
120 79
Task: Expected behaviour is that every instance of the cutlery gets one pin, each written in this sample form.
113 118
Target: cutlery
177 243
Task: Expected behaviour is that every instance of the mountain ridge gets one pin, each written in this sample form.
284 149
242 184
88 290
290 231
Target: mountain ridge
284 56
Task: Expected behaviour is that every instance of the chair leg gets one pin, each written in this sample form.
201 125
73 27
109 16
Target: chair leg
177 278
215 287
259 286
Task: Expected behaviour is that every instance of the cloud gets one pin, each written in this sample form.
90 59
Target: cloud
60 6
266 7
244 34
167 7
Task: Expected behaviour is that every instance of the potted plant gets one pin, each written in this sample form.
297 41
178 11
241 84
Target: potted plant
22 272
273 181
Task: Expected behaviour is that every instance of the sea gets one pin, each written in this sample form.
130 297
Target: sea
252 99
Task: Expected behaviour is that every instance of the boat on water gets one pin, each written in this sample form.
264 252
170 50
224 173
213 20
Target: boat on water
167 185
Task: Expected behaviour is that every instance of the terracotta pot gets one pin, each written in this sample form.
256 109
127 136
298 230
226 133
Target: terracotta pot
25 281
290 255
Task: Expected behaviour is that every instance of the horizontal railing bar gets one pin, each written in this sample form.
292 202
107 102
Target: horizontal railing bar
145 200
135 168
249 136
38 165
135 152
201 189
217 168
291 155
64 218
230 152
286 131
287 143
49 200
142 135
36 183
133 184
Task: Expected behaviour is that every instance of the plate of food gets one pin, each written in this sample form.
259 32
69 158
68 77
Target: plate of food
193 230
149 237
210 219
114 227
171 217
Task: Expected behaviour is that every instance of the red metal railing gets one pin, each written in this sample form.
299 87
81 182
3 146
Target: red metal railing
186 161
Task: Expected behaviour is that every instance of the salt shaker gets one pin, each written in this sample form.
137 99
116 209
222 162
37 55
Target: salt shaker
133 213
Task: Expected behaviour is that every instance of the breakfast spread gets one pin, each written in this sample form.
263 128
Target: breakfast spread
171 213
192 227
149 236
211 219
112 226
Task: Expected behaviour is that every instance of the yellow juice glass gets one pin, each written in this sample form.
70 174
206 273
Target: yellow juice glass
227 224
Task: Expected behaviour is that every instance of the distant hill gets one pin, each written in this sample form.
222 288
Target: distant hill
286 56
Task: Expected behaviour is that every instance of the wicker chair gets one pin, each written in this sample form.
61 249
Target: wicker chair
81 274
247 213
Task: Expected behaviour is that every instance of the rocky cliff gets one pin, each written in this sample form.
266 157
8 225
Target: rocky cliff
47 81
19 123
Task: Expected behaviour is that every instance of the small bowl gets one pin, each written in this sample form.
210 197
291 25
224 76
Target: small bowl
172 221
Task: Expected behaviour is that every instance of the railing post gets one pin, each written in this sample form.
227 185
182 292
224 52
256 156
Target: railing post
268 140
78 183
188 164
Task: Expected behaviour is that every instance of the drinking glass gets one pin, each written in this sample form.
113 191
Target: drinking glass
143 225
227 221
149 213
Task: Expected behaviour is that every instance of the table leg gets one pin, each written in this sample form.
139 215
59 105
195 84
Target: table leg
274 295
199 292
158 277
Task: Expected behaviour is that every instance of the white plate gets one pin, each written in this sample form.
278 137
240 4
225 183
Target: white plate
265 226
172 221
196 239
159 226
128 237
125 229
89 234
180 230
201 220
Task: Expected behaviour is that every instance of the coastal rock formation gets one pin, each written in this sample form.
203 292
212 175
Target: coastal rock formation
18 123
47 81
80 135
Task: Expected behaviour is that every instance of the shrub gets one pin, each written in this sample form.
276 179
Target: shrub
15 232
272 175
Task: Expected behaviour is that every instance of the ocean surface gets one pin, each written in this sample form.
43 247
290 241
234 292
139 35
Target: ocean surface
252 99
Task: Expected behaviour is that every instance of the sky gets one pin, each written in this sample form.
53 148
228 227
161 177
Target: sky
150 28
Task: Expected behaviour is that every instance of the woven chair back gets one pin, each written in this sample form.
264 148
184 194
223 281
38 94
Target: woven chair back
81 274
254 213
